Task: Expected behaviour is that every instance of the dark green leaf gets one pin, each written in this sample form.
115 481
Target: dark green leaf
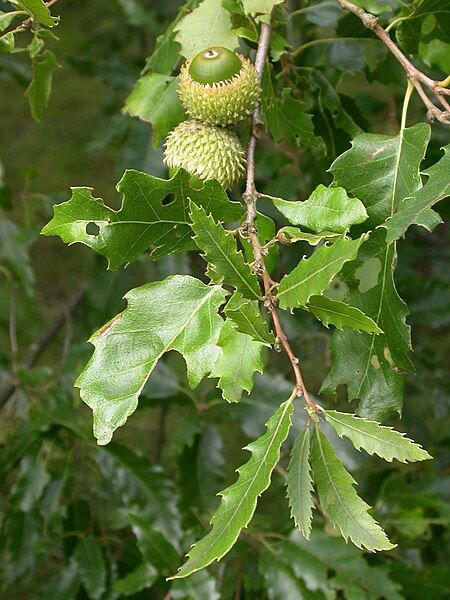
140 579
89 558
154 214
154 547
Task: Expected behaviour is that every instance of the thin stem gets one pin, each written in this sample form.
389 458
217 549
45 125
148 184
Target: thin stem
301 11
413 74
250 198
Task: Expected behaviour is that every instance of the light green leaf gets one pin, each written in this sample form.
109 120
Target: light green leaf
375 438
38 92
219 248
338 498
416 210
91 566
179 313
239 501
299 484
154 214
314 274
341 315
287 118
327 209
382 171
7 43
39 12
140 579
291 235
207 25
154 99
261 9
239 359
247 318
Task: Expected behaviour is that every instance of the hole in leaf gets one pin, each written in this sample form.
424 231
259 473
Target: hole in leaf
168 199
92 228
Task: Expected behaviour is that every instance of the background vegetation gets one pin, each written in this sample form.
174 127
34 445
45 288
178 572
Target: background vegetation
78 520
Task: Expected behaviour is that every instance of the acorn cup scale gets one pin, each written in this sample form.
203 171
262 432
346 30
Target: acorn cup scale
219 87
206 152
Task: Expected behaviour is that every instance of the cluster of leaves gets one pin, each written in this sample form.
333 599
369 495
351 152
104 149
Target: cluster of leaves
33 18
116 540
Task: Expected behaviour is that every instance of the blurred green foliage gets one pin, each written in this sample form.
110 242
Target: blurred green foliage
78 520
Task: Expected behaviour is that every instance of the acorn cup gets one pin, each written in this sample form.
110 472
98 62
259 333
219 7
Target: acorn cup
219 87
206 152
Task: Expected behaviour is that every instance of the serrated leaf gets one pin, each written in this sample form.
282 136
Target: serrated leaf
39 11
416 210
179 313
38 92
154 214
287 118
154 98
375 438
219 248
207 25
91 566
341 315
239 359
382 171
291 235
239 501
141 488
313 275
261 9
140 579
338 498
327 209
299 484
247 318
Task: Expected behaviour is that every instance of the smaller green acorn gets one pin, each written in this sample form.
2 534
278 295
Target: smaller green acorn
206 152
219 87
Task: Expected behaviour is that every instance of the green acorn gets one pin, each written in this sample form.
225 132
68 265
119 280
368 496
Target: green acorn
219 87
206 152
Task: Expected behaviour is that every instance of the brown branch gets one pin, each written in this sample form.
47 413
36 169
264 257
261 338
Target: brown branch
418 78
40 344
250 197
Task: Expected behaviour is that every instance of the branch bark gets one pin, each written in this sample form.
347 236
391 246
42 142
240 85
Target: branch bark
418 78
250 198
